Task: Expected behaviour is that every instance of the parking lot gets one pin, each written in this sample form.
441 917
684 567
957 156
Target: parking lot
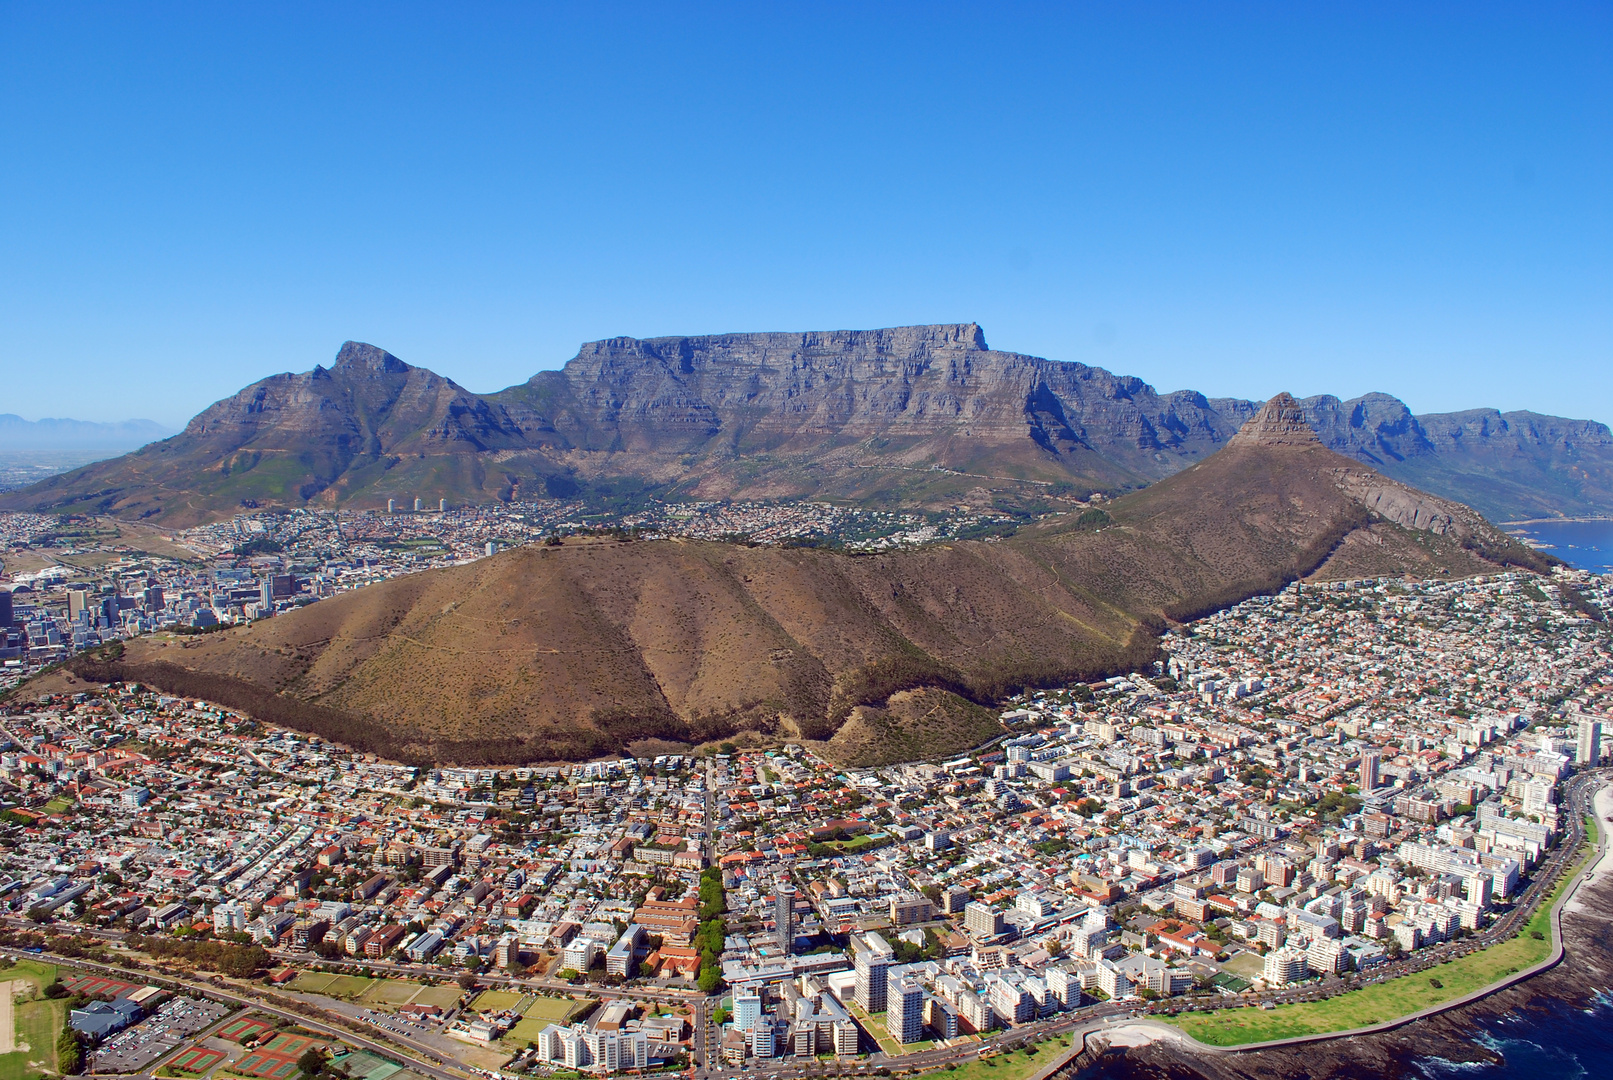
136 1047
395 1022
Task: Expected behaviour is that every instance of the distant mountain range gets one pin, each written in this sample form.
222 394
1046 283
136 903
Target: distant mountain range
78 435
921 416
587 647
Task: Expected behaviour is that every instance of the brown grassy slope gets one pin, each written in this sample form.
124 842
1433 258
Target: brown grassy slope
543 653
914 725
568 649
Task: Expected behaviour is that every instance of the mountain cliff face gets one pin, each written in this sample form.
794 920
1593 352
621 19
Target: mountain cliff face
811 414
925 416
582 649
1509 465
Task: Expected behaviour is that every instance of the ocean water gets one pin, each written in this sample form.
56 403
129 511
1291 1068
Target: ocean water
1551 1040
1585 544
1547 1040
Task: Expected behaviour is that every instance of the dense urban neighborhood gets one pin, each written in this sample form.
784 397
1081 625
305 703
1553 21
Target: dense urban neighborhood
1312 791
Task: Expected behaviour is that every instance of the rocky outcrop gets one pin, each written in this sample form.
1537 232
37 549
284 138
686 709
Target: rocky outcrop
1280 422
1402 505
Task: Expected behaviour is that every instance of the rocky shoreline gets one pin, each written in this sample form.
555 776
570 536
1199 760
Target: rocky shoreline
1587 967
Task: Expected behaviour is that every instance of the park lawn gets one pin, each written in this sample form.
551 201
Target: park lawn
38 1025
1010 1066
552 1010
1383 1001
496 1000
858 843
313 982
875 1026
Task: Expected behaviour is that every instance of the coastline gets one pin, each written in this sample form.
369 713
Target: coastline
1558 521
1580 966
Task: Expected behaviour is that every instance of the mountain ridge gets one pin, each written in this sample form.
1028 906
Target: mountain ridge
925 416
570 651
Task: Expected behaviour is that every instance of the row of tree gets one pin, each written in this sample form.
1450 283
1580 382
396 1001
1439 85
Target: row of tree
238 961
709 938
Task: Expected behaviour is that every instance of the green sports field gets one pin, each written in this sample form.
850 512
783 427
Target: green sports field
389 992
539 1015
38 1022
376 991
497 1000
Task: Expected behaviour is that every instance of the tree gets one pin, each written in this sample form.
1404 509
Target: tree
69 1054
312 1062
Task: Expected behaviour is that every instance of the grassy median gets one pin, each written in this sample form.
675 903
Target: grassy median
1389 1000
1012 1065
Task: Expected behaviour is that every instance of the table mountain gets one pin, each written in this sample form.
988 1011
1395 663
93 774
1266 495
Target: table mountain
920 416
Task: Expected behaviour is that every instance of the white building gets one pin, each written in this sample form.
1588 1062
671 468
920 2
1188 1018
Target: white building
1289 964
904 1014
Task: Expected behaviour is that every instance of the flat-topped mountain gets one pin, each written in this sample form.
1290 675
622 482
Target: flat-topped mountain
550 652
922 416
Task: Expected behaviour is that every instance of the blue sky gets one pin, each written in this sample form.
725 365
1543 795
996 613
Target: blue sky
1237 199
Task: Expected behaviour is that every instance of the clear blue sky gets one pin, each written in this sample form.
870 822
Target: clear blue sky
1237 199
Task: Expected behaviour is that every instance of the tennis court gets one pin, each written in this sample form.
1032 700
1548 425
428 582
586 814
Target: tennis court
197 1060
363 1065
98 986
277 1060
245 1028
